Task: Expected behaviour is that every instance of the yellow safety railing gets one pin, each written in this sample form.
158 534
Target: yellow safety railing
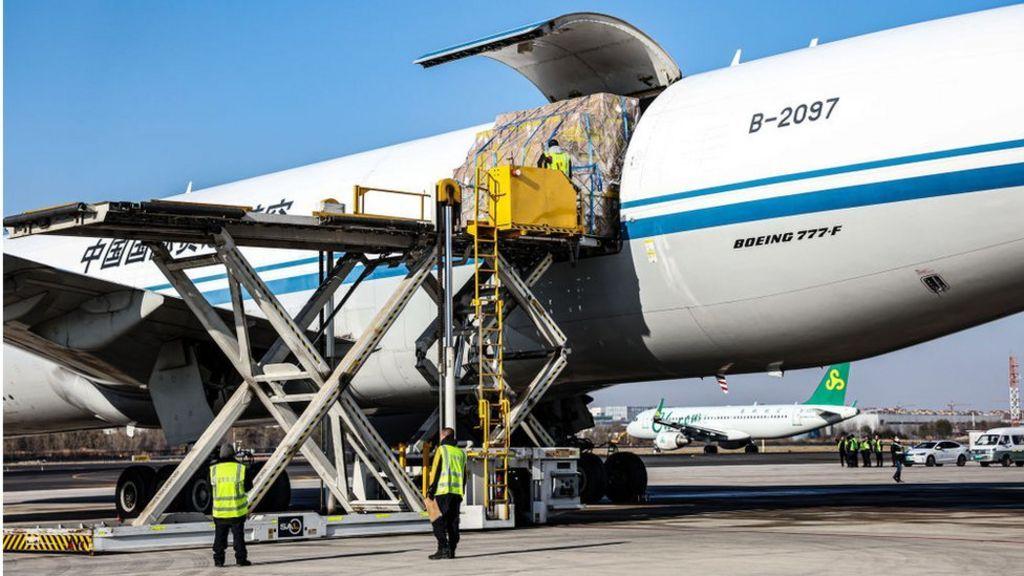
359 199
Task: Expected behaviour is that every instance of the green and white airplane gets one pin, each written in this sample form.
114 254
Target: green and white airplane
733 427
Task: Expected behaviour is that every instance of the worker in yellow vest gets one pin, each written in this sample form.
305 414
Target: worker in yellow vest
447 478
555 159
230 506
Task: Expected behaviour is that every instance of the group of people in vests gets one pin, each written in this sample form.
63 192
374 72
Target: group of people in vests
231 499
853 450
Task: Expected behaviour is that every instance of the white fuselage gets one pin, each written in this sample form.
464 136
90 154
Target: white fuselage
755 236
756 422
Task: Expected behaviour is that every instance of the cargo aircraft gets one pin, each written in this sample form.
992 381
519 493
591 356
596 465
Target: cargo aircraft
827 204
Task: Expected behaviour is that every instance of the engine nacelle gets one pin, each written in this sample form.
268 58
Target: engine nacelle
670 440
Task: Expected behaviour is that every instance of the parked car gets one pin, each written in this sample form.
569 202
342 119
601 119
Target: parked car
1002 445
938 453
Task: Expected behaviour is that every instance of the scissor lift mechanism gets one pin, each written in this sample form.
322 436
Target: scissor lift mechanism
363 239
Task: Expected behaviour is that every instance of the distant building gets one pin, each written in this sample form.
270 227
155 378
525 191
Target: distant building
908 422
616 413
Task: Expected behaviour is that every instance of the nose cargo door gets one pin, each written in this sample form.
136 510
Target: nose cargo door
575 55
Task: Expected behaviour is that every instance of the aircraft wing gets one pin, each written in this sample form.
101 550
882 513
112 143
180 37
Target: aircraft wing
695 432
104 330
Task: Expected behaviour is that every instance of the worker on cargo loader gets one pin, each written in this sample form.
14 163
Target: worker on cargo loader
447 477
230 506
555 159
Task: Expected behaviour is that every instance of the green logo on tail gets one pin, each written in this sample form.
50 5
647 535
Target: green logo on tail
831 391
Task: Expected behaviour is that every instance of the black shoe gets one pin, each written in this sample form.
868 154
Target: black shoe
218 564
451 554
441 554
243 563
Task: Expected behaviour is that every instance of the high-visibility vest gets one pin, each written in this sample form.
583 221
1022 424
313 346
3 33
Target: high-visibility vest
450 463
228 482
851 444
560 161
865 446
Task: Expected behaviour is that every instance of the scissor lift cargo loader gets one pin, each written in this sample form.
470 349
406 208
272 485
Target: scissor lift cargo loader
362 239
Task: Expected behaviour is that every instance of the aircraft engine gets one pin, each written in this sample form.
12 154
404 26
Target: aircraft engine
670 440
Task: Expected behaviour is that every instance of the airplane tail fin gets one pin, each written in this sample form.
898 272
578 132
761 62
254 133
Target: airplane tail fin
657 411
831 391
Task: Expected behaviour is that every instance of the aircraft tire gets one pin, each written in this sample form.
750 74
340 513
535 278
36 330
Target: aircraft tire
134 490
751 449
197 495
627 478
593 480
710 449
278 498
519 485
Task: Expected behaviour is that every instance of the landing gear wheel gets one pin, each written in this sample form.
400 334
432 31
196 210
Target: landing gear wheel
278 498
519 484
751 449
627 478
961 460
134 490
197 496
593 480
1020 464
711 449
930 461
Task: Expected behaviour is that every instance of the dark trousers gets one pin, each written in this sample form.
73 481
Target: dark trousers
867 459
878 458
898 476
446 527
852 460
220 538
842 458
894 456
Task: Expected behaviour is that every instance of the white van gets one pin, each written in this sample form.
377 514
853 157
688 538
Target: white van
1002 445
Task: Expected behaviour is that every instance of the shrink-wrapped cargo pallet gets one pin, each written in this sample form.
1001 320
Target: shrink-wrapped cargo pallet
594 130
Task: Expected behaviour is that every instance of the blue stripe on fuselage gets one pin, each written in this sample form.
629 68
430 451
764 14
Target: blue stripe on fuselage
920 187
992 147
915 188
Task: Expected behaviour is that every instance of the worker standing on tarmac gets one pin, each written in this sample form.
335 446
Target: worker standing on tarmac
877 445
555 159
865 450
230 506
897 460
851 450
842 450
447 477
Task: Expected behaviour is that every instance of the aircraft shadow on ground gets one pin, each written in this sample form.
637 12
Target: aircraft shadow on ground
691 500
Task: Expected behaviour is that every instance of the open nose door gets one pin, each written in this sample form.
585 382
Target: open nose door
575 55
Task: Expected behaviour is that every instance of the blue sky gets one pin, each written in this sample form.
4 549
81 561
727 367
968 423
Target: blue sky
120 100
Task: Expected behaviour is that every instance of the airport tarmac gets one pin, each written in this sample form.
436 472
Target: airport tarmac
752 514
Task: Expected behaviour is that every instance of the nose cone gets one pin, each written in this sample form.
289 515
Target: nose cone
633 428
